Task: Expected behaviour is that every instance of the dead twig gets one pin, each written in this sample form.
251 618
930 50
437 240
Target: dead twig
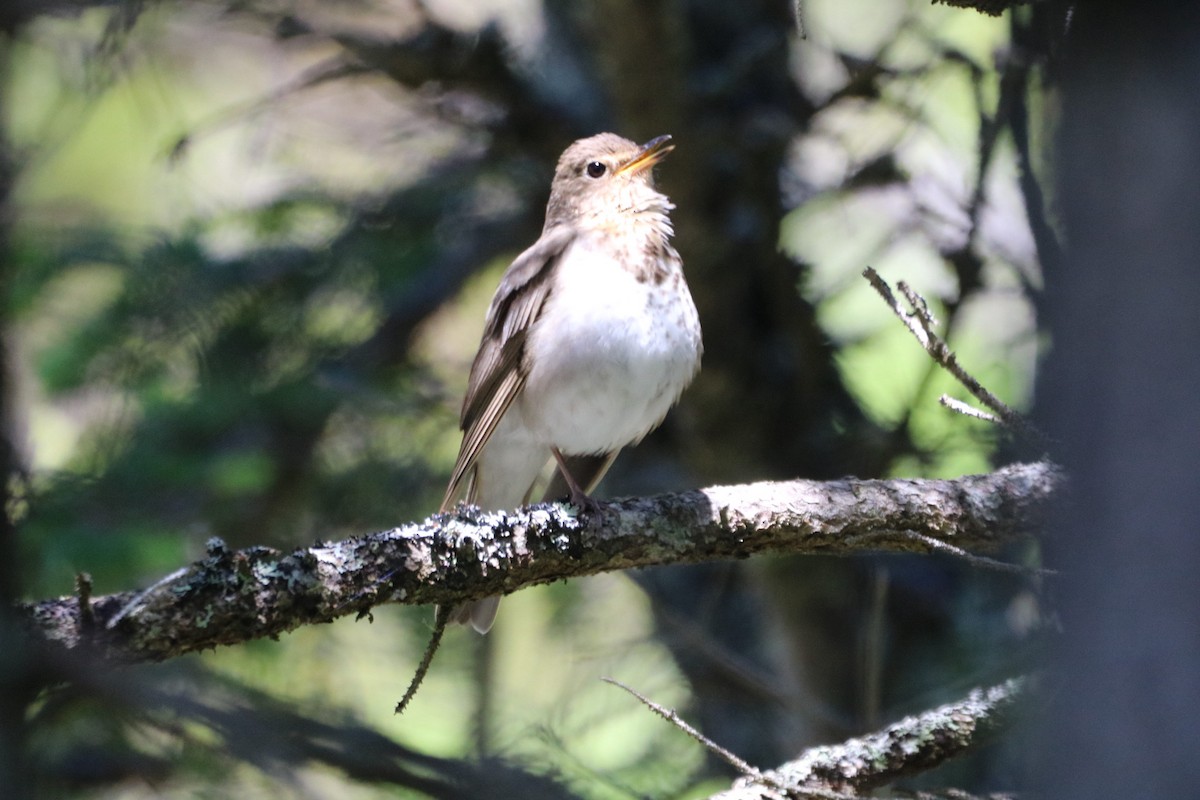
729 757
921 322
435 640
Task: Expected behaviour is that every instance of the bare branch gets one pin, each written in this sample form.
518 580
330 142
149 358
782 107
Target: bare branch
672 717
966 410
910 746
230 597
920 321
938 546
435 641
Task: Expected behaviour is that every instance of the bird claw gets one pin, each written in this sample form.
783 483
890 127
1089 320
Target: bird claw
585 504
577 497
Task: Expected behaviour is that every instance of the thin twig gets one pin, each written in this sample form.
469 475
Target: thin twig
141 596
921 322
670 716
885 291
967 411
941 352
923 314
330 69
976 560
83 590
938 546
435 640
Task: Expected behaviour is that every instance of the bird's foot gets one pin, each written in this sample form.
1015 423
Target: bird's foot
583 502
578 497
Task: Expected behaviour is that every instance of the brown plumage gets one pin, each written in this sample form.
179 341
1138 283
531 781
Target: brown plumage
590 338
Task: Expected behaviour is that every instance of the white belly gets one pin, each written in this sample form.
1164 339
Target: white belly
612 355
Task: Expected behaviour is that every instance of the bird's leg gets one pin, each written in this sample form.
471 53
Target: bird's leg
579 498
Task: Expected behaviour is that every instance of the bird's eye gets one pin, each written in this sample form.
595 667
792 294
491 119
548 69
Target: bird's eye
596 169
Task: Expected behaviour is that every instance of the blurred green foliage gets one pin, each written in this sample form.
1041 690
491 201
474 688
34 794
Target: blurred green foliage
240 320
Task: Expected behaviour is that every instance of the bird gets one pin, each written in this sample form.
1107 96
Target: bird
590 338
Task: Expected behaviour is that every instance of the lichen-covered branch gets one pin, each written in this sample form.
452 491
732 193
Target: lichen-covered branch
234 596
911 746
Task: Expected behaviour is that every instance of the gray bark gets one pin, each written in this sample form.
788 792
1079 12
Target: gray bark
914 744
235 596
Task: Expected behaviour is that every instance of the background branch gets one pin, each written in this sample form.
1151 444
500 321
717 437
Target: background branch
921 324
914 744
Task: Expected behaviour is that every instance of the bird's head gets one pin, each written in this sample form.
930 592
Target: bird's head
604 178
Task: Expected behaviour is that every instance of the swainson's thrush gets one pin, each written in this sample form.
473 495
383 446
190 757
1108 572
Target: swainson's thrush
590 339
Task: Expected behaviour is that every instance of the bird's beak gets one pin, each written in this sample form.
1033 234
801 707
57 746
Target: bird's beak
650 154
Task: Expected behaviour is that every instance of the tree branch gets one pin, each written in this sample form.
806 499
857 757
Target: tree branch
921 323
230 597
910 746
670 716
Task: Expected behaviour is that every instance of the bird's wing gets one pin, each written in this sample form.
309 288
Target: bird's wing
498 373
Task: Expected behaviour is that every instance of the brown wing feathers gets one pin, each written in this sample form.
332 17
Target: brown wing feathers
498 372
